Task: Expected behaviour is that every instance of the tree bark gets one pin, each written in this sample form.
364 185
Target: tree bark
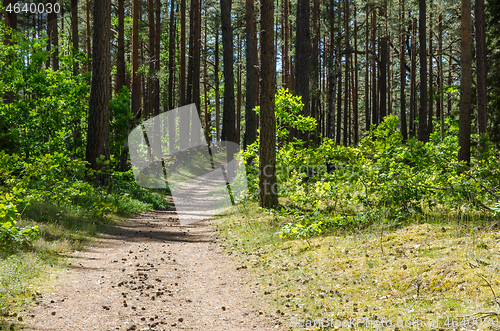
136 77
228 117
250 126
268 188
217 83
413 77
149 112
87 25
464 124
481 74
74 33
347 71
98 119
430 126
423 134
302 58
196 68
402 71
182 79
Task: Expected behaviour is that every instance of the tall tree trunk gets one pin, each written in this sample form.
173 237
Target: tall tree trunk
268 188
367 72
250 126
196 72
347 71
339 109
355 84
120 54
151 59
332 79
182 80
98 120
74 33
238 94
136 77
89 57
156 100
375 108
286 62
217 83
439 108
11 23
228 117
302 58
413 77
53 42
383 67
430 125
171 55
208 115
402 71
481 73
423 134
464 124
315 68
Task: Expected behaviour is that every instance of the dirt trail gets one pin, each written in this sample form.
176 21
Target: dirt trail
152 274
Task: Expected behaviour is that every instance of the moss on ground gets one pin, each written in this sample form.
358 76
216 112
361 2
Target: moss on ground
430 271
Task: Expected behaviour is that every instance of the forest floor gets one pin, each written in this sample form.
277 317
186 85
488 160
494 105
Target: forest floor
150 273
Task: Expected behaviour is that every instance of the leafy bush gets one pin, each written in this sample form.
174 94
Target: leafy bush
10 234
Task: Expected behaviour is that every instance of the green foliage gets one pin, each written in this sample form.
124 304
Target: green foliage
10 234
48 107
120 118
381 176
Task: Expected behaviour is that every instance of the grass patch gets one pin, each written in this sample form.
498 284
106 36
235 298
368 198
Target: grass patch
419 271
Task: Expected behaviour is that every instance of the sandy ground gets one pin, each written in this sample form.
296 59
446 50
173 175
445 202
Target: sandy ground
152 274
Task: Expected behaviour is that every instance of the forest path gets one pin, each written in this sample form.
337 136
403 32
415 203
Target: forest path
151 274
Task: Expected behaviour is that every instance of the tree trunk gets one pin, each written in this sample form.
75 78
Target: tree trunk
464 122
171 55
74 33
149 112
98 120
196 68
375 117
89 57
423 134
413 77
250 127
120 54
302 58
339 109
439 108
347 71
402 71
156 100
286 62
136 77
238 95
367 72
481 74
182 80
217 83
315 69
355 84
268 188
430 126
228 117
383 67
